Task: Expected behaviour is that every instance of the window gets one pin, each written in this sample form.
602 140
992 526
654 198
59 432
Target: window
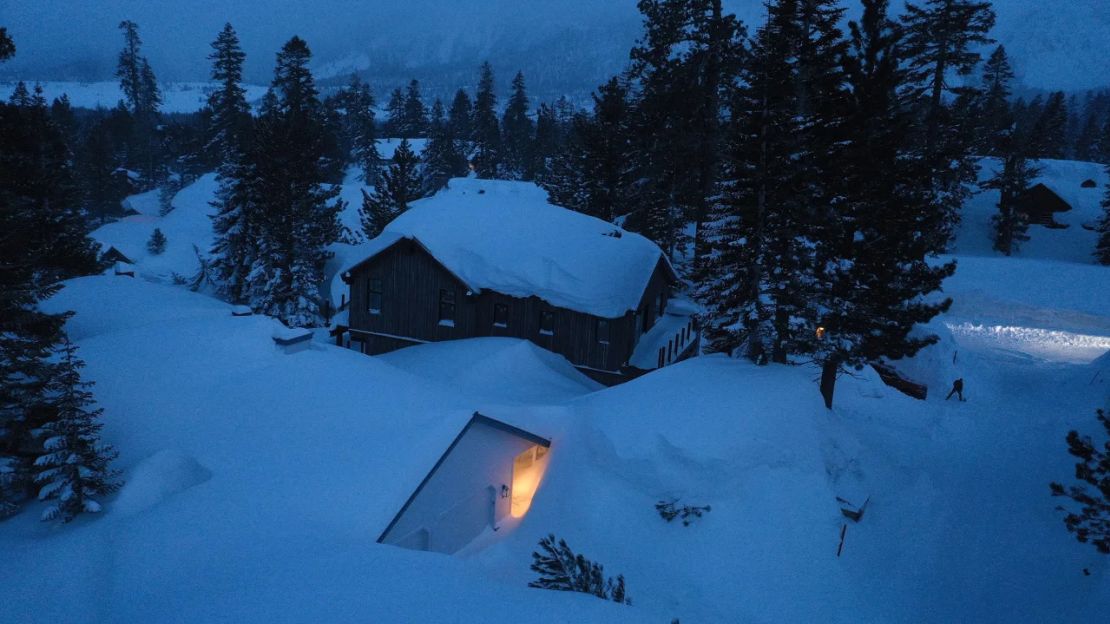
500 315
662 303
374 295
447 307
547 323
603 331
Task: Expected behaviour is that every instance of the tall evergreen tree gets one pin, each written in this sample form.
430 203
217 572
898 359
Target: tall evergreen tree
400 186
297 218
143 98
73 469
234 250
486 132
1009 224
414 121
460 116
7 46
1048 137
516 133
942 38
395 113
997 118
351 111
874 274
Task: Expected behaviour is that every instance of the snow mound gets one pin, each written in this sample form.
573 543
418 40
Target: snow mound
157 478
188 230
506 237
503 368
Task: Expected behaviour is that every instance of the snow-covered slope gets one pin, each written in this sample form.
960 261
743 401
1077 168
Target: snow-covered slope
1075 243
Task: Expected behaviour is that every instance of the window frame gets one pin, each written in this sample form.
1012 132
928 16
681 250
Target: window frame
502 306
448 300
547 313
603 337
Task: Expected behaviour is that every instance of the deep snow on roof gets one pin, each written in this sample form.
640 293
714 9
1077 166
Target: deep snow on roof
506 237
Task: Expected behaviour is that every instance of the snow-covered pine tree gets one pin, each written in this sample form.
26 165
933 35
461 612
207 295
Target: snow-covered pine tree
42 241
874 269
1102 247
485 130
235 246
548 142
74 467
1091 522
441 160
942 38
7 46
401 184
414 122
1009 225
1087 143
460 118
298 218
516 133
395 113
560 569
564 174
157 243
755 270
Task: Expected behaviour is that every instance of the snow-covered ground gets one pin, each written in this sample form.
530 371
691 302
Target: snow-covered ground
258 481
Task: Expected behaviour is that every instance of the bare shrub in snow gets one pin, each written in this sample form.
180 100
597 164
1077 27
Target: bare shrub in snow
669 510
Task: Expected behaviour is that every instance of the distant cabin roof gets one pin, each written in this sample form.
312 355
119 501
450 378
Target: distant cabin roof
505 237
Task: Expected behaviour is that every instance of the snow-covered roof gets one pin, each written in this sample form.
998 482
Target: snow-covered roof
505 236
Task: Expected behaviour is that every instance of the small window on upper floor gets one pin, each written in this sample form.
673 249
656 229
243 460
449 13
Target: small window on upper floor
547 323
374 295
447 307
500 315
603 331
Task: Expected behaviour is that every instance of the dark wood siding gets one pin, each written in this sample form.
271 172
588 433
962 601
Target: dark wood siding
411 280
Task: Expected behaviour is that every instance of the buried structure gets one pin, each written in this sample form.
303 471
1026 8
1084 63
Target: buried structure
487 475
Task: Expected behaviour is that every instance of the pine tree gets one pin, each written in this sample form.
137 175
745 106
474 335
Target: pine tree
875 277
395 114
516 133
156 245
235 246
400 185
1091 522
1048 137
486 132
296 222
560 569
1087 143
1010 225
414 121
441 160
996 113
351 111
942 37
229 126
7 46
142 96
73 469
460 117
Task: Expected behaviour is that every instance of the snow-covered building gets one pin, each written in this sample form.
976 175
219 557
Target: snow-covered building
494 258
1040 202
489 473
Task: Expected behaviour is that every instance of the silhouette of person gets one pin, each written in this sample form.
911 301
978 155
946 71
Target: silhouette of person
957 389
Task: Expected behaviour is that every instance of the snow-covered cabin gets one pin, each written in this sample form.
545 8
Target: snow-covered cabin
489 473
1039 204
494 258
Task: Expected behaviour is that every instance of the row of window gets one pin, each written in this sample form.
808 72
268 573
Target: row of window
500 311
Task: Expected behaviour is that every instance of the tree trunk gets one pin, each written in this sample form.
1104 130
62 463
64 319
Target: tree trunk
828 380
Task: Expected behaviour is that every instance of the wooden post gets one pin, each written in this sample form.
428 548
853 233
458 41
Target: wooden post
843 532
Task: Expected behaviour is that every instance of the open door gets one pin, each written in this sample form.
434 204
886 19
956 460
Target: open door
528 469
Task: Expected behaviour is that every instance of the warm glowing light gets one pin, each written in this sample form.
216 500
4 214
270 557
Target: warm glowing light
820 333
528 469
